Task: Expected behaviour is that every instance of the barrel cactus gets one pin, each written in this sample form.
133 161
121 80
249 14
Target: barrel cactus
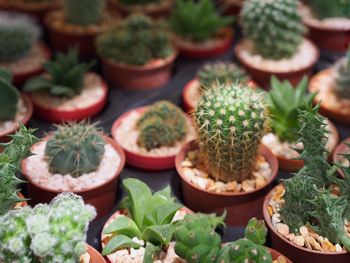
342 84
84 12
231 120
9 97
274 27
75 149
163 124
323 9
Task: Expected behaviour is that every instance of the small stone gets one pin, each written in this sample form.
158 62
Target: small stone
270 210
338 248
314 244
299 240
218 187
186 163
231 186
281 259
290 236
328 246
282 228
303 231
188 172
201 182
248 185
276 218
260 182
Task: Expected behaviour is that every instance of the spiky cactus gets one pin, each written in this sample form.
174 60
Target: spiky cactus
9 97
274 27
18 33
231 119
342 83
75 149
222 72
84 12
323 9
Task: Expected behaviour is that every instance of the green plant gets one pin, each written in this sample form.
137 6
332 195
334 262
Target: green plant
328 9
231 119
65 76
46 233
222 72
197 242
284 101
139 2
162 124
197 21
149 218
9 97
342 83
84 12
75 149
15 150
274 27
136 41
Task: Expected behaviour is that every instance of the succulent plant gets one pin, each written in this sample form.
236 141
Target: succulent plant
9 97
46 233
65 76
162 124
18 33
197 21
284 101
342 83
231 119
75 149
221 72
150 219
15 150
327 9
274 27
84 12
136 41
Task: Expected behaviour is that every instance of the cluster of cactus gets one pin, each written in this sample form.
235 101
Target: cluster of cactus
342 83
197 241
323 9
231 120
18 33
75 149
274 27
221 72
46 233
65 76
136 41
9 97
16 150
197 21
162 124
84 12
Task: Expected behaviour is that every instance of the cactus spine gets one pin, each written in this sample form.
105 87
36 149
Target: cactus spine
9 97
75 149
84 12
342 84
231 119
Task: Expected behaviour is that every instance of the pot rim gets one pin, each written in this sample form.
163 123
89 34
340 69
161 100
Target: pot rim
91 250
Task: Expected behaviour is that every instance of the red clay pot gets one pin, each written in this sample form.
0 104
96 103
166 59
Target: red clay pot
138 160
199 51
4 135
262 76
102 197
149 76
275 255
230 8
22 203
58 116
294 252
240 207
95 256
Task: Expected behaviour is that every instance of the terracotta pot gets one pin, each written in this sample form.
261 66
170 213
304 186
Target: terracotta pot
95 257
297 253
230 8
22 203
4 135
333 114
149 76
137 159
102 197
262 76
58 116
341 148
240 207
275 255
197 50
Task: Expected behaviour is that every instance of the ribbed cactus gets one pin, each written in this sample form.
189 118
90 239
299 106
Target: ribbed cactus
163 124
9 97
342 84
222 72
274 27
256 231
84 12
18 33
75 149
328 9
231 119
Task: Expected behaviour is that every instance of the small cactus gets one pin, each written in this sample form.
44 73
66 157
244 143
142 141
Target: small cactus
274 27
231 119
9 97
84 12
256 231
342 83
75 149
323 9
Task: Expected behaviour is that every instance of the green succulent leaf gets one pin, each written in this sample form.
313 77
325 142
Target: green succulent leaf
150 251
123 225
159 234
118 242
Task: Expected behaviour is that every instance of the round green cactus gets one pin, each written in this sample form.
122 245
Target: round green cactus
231 119
342 84
9 97
84 12
275 27
256 231
75 149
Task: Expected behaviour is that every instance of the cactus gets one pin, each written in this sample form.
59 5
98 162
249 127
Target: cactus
136 41
231 119
46 233
9 97
256 231
18 33
75 149
163 124
323 9
222 72
274 27
84 12
342 83
65 76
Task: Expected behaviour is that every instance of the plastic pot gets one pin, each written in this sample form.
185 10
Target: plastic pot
95 256
240 207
